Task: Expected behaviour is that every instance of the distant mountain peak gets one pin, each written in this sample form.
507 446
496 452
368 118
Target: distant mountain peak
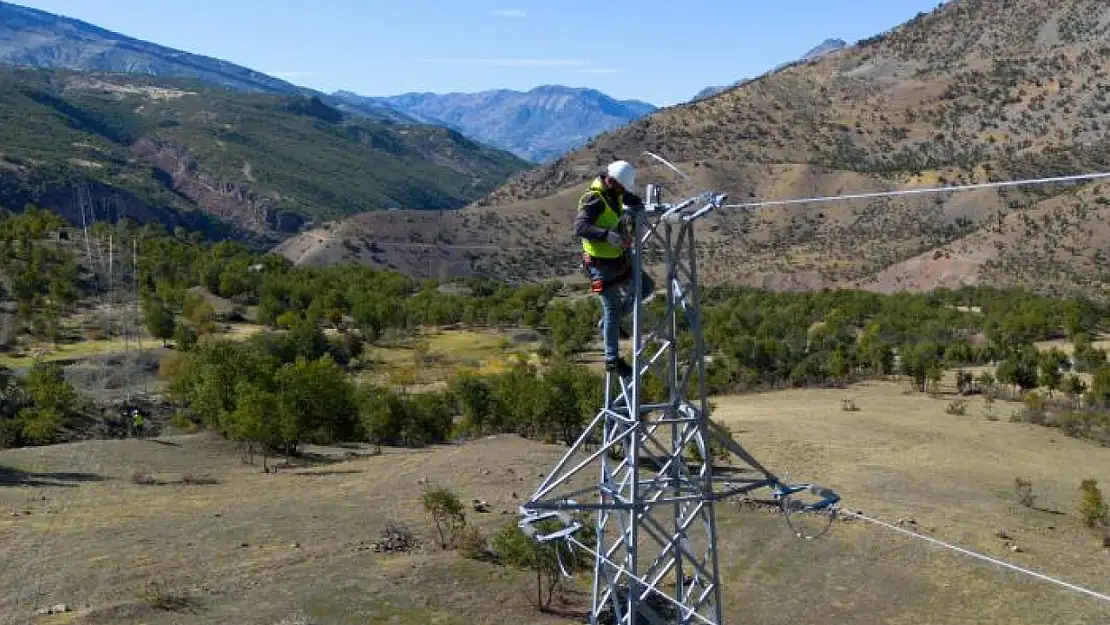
539 124
827 46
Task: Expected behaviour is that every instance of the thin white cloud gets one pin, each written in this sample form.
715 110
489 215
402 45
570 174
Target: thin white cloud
600 70
293 74
513 13
507 62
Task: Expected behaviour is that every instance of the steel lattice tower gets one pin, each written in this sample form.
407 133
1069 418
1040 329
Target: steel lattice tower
653 503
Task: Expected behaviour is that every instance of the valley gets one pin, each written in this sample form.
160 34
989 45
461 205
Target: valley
277 355
164 523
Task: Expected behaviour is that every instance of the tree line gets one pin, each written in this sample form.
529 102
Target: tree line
757 339
276 392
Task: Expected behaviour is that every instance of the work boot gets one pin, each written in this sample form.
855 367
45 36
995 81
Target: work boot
619 366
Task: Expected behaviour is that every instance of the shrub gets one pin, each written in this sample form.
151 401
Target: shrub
514 548
1092 508
395 537
472 543
718 451
160 596
1034 409
447 513
1024 490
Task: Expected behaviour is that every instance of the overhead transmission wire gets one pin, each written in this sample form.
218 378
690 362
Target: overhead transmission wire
794 201
985 558
37 560
921 191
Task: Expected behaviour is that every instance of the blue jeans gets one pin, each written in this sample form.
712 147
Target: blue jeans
616 300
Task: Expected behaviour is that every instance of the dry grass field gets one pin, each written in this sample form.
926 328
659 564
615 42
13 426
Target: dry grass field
292 547
429 358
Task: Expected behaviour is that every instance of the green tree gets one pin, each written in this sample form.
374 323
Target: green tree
1074 387
199 313
259 422
919 362
381 413
1050 375
160 321
320 399
1087 358
184 336
52 403
475 399
1020 370
1099 395
986 381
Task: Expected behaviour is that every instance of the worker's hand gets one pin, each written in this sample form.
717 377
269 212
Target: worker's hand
632 200
615 238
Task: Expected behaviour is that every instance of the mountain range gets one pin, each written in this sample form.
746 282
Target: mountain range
181 152
539 125
158 134
972 91
34 38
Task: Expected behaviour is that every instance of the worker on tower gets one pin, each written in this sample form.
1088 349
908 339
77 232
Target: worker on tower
137 421
604 230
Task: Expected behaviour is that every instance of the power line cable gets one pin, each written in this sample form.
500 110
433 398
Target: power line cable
985 558
904 192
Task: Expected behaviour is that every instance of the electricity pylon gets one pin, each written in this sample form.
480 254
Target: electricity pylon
655 525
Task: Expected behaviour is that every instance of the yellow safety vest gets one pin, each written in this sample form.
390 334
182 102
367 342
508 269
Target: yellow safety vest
608 219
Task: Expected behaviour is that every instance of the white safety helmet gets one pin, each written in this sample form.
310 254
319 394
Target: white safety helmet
623 173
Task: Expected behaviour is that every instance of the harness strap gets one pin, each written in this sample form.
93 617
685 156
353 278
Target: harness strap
597 285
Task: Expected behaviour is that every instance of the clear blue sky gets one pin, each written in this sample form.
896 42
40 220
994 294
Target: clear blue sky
659 51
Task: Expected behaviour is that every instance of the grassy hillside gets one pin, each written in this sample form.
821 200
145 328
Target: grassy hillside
976 90
178 152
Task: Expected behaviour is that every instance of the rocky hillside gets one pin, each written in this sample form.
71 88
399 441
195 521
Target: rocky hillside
33 38
828 46
180 152
975 90
39 39
538 125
